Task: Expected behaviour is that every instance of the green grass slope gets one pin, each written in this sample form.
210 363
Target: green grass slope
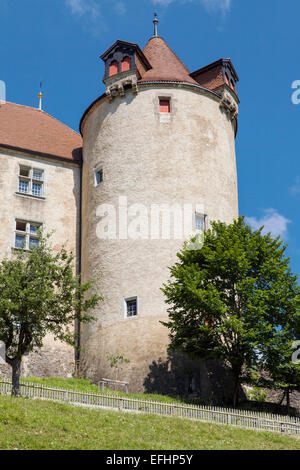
83 385
35 424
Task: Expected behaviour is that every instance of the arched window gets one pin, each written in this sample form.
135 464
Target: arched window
227 79
232 86
113 68
126 64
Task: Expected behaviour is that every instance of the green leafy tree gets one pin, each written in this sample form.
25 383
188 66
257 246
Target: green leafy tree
40 294
280 371
229 298
116 362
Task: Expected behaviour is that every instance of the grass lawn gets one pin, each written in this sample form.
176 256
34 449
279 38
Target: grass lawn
86 386
35 424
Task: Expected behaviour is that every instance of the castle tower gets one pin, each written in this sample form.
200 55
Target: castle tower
160 137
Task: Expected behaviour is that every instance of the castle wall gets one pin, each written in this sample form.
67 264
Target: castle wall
190 159
58 212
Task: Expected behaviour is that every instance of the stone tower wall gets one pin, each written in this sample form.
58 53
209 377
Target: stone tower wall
148 160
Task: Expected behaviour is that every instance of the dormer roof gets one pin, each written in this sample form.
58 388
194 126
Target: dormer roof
119 50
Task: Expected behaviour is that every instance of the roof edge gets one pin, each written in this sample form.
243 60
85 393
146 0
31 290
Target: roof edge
150 82
45 155
214 64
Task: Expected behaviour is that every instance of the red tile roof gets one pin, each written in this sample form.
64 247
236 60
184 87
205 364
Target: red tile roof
29 129
166 66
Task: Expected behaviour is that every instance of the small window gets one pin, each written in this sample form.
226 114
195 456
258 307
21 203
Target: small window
131 307
20 241
232 85
23 186
113 68
98 177
31 181
200 222
36 189
164 105
20 226
37 174
227 79
24 171
126 64
26 234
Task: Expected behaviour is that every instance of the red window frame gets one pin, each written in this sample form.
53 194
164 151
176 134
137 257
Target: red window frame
126 64
164 105
113 68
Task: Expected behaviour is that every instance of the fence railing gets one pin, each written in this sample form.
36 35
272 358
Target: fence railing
248 419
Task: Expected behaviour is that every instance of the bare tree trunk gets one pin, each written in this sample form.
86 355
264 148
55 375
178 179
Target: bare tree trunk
16 374
288 403
280 403
236 386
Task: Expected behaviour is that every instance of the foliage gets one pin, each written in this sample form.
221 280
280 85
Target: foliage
116 362
40 294
233 299
257 394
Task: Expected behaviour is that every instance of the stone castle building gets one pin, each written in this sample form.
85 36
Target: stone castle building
159 139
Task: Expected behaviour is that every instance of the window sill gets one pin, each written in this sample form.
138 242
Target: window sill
165 117
15 248
30 196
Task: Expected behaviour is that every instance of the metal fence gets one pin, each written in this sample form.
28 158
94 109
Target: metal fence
211 414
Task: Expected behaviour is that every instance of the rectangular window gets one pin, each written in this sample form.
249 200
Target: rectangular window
36 189
23 186
20 241
31 181
200 221
98 177
131 307
26 234
164 105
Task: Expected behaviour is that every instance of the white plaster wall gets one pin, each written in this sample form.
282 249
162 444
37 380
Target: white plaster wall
59 212
190 159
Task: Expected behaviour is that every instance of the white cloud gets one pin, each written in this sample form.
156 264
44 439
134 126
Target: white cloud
84 7
89 13
210 5
272 221
295 188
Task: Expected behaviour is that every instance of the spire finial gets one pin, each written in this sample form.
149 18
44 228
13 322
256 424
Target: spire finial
40 95
155 22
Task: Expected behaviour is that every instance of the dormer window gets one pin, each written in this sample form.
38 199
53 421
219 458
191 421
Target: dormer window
164 105
126 64
113 68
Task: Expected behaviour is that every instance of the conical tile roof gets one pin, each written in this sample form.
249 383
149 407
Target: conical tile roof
166 66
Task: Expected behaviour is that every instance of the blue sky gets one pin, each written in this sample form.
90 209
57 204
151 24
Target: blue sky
59 41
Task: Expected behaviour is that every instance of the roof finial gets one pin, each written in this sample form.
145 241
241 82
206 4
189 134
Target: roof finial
155 21
40 95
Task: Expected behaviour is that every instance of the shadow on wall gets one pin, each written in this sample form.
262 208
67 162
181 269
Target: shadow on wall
207 380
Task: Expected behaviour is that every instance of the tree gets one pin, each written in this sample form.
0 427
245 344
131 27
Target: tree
230 297
40 294
116 362
280 371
